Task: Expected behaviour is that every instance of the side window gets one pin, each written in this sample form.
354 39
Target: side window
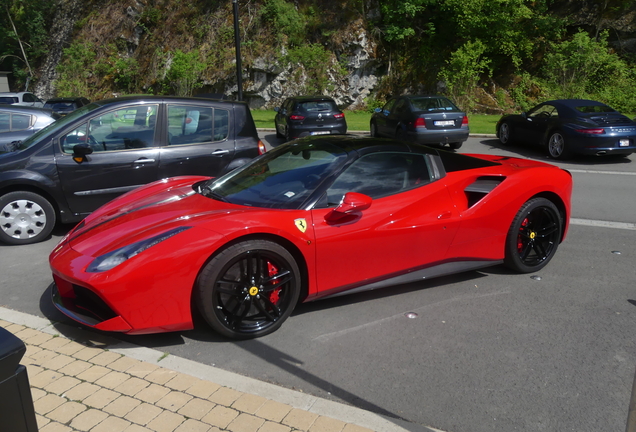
388 106
193 125
400 106
20 122
5 122
544 111
127 128
28 97
381 174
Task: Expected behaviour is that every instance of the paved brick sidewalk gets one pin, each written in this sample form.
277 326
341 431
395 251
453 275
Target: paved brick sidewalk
78 384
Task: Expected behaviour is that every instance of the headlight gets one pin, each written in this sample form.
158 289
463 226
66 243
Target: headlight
116 257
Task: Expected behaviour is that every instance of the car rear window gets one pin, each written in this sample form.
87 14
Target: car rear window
317 106
593 109
433 104
8 100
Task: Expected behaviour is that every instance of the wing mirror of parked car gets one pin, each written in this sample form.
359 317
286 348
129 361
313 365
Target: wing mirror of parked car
80 151
351 204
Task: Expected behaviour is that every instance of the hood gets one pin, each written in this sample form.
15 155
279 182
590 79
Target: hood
144 213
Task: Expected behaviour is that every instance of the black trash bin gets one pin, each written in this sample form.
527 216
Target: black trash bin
16 404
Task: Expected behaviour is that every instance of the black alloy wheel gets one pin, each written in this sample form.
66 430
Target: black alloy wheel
505 134
25 218
374 130
534 236
249 289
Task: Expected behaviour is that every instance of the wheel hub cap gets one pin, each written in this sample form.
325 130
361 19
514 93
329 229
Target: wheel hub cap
22 219
253 291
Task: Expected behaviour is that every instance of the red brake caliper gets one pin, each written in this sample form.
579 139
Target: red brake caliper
519 238
275 295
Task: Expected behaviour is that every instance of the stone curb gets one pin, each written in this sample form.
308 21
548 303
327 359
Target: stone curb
86 381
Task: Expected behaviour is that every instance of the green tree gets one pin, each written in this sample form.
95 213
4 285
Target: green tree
463 71
185 72
75 74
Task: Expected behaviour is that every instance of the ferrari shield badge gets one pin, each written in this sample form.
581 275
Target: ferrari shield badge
301 224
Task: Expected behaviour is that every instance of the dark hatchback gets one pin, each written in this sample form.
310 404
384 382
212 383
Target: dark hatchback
421 119
309 115
65 105
571 126
107 148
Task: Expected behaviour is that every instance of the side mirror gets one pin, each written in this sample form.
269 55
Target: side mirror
80 151
276 109
351 204
377 110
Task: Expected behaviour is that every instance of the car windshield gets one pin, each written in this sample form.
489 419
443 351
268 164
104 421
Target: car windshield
595 109
282 178
60 106
55 126
433 104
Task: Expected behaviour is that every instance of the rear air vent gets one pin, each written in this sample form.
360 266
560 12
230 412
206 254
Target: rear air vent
480 188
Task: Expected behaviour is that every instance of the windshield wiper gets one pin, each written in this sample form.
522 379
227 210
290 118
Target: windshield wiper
207 191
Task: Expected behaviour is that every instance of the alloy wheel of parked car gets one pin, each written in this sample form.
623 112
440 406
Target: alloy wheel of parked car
249 289
534 236
25 217
374 130
505 134
557 147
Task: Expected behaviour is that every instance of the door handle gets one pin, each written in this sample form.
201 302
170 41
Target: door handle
220 152
143 161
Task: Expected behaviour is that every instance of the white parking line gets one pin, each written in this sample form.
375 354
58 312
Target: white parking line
602 172
603 224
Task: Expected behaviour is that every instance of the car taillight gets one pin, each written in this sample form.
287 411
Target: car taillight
420 123
465 121
596 131
261 148
338 116
296 117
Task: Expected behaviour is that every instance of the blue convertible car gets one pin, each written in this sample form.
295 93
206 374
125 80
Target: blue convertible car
571 126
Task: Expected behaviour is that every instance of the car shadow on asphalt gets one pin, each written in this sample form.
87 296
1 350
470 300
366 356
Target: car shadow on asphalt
536 152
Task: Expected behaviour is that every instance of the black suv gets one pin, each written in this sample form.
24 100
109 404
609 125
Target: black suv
106 148
309 115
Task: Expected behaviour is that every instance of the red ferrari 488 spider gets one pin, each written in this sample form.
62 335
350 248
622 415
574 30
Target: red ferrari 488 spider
313 218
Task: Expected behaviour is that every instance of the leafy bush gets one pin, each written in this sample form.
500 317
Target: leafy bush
313 63
289 24
185 71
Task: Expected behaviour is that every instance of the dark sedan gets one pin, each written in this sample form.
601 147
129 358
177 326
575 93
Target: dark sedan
421 119
20 122
571 126
65 105
303 116
104 149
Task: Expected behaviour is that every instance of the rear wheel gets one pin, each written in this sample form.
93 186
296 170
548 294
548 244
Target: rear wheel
557 146
278 134
25 218
455 145
505 134
249 289
534 236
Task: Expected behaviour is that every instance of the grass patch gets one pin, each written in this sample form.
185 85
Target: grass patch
359 121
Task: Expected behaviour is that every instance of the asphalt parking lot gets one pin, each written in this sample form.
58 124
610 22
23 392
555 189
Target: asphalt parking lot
487 351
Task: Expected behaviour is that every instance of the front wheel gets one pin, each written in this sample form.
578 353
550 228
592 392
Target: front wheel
505 134
249 289
374 130
25 218
534 236
557 146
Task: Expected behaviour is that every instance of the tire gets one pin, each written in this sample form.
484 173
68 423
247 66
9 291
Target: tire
557 146
505 134
374 130
25 218
400 134
455 145
287 136
278 134
249 289
534 236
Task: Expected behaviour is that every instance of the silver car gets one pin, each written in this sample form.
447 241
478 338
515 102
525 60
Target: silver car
18 123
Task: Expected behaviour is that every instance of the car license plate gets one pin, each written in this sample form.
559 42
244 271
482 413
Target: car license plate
623 143
320 133
445 123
